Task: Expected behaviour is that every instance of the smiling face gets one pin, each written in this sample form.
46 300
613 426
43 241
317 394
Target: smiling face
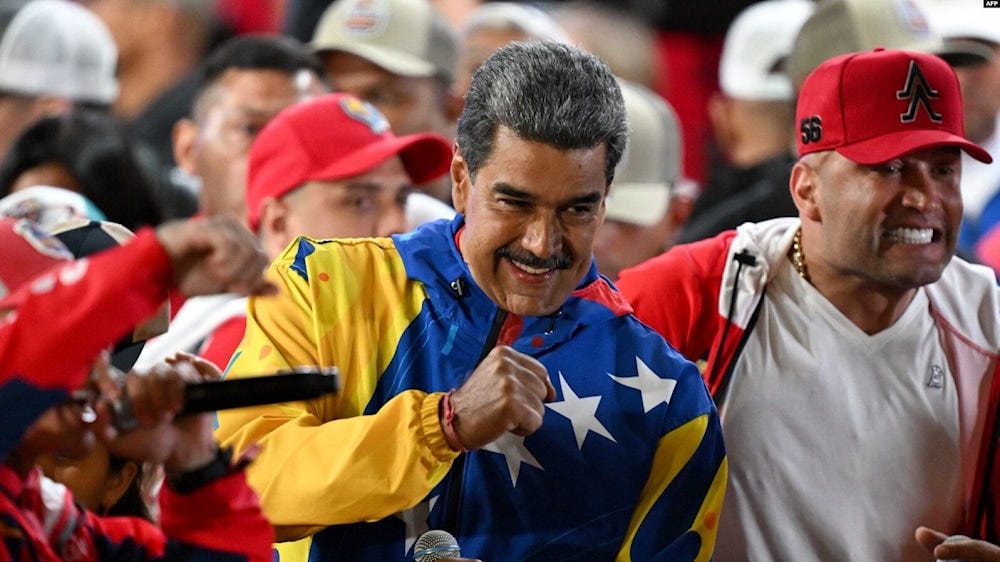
530 219
892 225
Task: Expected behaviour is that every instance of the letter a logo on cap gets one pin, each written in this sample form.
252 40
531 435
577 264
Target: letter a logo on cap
919 93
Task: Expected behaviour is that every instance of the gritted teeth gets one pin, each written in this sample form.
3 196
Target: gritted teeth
911 235
531 270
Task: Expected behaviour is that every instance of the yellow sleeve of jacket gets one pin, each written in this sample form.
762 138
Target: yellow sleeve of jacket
322 462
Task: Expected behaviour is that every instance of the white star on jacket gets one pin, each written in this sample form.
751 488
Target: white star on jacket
581 413
653 389
512 448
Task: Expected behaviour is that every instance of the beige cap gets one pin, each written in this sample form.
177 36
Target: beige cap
405 37
846 26
651 164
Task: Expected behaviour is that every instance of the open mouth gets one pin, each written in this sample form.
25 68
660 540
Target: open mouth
531 270
908 235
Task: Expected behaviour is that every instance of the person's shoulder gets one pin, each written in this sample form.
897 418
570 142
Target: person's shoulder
649 346
313 249
961 275
655 357
304 256
967 297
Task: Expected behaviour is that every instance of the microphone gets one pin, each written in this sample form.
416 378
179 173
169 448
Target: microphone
435 545
302 383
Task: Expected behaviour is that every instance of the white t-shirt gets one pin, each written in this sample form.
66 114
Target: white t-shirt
843 451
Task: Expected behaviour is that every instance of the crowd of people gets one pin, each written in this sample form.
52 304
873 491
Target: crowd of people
575 312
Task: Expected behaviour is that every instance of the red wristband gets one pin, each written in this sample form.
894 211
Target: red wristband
447 423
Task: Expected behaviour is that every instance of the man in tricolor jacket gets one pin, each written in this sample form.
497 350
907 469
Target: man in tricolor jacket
494 385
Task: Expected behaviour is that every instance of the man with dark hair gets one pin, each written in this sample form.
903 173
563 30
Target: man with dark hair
243 84
494 385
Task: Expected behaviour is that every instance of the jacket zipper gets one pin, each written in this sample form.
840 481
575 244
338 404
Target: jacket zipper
451 521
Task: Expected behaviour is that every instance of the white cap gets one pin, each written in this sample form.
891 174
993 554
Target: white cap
525 18
651 164
962 19
58 48
756 46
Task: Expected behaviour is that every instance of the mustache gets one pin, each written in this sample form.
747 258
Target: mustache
557 261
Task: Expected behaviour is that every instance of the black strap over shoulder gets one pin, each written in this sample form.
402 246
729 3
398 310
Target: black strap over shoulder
745 259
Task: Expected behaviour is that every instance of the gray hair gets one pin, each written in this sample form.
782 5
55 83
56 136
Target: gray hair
545 92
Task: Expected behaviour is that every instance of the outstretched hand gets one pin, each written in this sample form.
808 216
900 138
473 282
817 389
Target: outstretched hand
214 255
958 548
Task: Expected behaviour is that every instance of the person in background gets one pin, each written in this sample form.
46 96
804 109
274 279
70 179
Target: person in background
329 167
398 55
54 55
160 45
837 27
493 25
41 372
58 56
855 361
614 31
465 403
646 204
971 24
752 118
84 151
100 481
242 85
356 182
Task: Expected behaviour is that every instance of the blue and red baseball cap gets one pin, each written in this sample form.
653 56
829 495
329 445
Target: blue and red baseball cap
333 137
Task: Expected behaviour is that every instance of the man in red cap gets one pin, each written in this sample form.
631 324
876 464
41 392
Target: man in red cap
852 356
332 168
328 167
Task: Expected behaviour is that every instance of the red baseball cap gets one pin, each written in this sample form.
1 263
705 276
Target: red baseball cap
878 105
332 137
26 251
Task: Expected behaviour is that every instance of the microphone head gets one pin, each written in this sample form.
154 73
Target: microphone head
435 545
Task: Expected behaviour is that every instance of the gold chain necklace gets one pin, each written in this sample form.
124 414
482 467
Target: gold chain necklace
798 258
